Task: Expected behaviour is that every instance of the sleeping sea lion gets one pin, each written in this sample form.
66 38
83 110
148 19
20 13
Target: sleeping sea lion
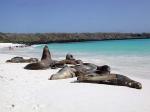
105 69
85 67
111 79
65 72
22 60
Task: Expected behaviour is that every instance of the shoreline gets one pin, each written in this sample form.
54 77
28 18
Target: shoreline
76 41
73 41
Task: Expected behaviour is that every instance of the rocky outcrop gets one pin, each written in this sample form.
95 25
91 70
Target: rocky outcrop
44 38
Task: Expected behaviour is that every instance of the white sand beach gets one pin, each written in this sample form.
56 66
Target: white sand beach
31 91
9 45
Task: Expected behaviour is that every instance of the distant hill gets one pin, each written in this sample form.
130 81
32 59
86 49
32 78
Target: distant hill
43 38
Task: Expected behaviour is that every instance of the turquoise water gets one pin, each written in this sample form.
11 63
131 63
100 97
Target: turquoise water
113 47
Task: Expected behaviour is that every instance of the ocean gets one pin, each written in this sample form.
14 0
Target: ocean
127 57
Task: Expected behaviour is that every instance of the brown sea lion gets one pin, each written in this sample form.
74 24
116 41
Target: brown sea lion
56 64
45 62
65 72
111 79
22 60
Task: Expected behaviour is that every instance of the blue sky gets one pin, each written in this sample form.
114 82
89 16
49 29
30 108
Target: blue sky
74 16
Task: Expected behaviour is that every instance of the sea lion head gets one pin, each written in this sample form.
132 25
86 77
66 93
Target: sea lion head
69 57
103 69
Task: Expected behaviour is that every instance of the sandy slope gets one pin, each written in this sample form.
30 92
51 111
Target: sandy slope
31 91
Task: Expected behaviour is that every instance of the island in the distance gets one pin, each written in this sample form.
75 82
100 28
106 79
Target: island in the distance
44 38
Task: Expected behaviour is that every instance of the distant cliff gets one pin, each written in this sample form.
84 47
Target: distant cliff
43 38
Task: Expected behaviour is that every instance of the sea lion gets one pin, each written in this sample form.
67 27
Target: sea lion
69 60
72 71
85 68
31 60
79 62
46 54
69 57
72 62
105 69
22 60
111 79
56 64
16 60
45 62
64 62
92 68
65 72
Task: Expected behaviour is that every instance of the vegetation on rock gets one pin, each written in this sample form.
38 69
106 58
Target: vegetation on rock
42 38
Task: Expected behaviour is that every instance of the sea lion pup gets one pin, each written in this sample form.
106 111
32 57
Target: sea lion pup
69 57
111 79
22 60
45 62
65 72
